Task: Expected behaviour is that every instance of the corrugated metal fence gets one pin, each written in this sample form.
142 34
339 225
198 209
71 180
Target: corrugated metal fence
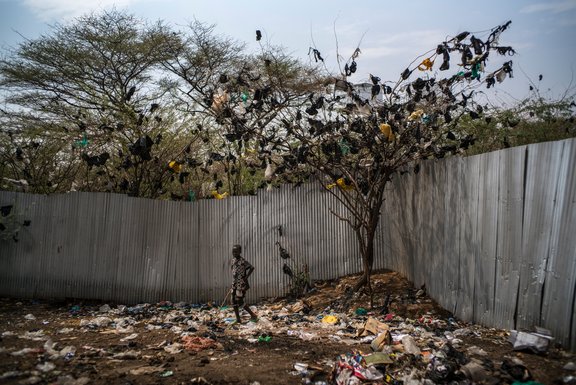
113 247
492 237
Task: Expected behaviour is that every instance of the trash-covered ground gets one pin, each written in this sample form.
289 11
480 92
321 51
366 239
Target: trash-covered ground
330 336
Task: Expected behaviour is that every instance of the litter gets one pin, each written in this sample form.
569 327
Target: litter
298 307
306 336
197 343
75 309
537 342
380 341
69 380
410 345
349 369
476 351
146 370
330 320
24 351
378 358
311 374
96 322
372 326
361 311
37 335
174 348
475 372
264 338
130 337
300 367
46 367
129 355
49 348
199 380
384 346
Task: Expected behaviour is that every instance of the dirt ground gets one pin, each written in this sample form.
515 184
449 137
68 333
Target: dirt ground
294 342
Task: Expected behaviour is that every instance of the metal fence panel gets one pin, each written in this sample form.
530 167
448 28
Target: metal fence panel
509 235
450 248
464 307
558 294
486 227
399 221
543 165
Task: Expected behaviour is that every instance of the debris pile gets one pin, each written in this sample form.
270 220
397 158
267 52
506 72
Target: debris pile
323 338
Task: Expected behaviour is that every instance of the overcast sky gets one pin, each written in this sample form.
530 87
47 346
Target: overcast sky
390 33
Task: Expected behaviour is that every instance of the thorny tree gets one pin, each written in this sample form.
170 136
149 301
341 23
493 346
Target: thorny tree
83 111
354 143
238 100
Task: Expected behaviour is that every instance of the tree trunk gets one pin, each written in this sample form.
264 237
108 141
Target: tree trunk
366 241
367 261
365 277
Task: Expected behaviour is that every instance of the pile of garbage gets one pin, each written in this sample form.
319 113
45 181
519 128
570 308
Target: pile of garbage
376 347
411 352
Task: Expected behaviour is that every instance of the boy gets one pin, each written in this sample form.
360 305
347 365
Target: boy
241 270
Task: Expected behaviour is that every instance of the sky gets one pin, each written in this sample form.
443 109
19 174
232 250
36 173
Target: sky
389 33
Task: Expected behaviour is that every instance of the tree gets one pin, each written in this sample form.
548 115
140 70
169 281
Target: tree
238 100
534 119
32 159
355 141
83 102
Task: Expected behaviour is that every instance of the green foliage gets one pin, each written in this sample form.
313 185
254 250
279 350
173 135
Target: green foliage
296 271
532 120
300 281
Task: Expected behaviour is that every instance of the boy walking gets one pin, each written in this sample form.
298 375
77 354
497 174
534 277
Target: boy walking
241 270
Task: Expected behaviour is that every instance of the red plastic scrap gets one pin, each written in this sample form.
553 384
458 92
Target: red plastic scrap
197 343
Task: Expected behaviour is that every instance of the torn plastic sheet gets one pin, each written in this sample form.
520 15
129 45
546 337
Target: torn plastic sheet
538 341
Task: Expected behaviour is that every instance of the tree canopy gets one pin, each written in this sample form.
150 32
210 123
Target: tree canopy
85 96
110 103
